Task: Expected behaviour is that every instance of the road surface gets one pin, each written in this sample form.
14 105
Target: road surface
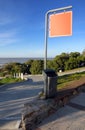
12 99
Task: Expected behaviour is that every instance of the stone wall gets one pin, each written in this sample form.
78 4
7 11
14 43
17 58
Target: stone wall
34 112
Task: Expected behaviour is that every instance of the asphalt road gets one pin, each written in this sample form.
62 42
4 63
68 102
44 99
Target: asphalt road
12 99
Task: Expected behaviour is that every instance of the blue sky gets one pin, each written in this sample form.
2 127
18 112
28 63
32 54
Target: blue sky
22 26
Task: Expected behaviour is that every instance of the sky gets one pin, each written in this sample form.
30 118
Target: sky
22 28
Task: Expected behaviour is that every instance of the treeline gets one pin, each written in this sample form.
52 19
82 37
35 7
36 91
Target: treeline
64 61
67 61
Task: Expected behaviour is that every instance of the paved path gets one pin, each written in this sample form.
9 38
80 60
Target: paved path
79 70
70 117
12 99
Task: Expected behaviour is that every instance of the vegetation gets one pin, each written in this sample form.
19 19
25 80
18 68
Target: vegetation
64 81
36 67
64 61
9 80
67 61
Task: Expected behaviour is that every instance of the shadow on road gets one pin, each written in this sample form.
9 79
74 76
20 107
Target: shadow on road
13 96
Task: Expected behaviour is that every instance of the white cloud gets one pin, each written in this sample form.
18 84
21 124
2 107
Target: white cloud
7 38
7 34
5 42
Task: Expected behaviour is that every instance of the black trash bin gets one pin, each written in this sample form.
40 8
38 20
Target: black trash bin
50 82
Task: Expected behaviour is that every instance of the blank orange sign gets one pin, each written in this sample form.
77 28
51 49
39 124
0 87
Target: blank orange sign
60 24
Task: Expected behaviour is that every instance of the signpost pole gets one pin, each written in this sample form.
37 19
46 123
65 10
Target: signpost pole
46 40
46 29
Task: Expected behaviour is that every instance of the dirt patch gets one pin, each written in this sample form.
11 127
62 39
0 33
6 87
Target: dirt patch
75 83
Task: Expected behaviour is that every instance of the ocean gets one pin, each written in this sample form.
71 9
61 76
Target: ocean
8 60
19 60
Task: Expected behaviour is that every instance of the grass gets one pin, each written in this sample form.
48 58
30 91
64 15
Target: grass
65 80
9 80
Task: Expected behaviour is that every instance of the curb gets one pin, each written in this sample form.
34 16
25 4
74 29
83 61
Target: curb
36 111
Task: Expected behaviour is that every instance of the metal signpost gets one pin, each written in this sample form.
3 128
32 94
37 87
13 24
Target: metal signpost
58 22
49 13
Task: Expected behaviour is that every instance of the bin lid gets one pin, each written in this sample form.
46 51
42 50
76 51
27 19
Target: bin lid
50 73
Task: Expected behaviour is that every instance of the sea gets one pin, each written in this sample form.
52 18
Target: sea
19 60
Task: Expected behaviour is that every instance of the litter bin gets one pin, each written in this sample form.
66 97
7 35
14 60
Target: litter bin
50 82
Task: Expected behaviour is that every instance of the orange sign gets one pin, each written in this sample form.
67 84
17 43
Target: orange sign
60 24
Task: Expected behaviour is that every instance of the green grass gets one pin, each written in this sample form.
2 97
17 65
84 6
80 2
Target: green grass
65 80
9 80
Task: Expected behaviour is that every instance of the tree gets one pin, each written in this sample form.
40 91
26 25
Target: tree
74 54
7 68
71 64
51 64
24 68
12 68
28 64
60 60
81 60
36 67
16 68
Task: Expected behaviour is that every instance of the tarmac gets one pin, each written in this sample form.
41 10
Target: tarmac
69 117
13 97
